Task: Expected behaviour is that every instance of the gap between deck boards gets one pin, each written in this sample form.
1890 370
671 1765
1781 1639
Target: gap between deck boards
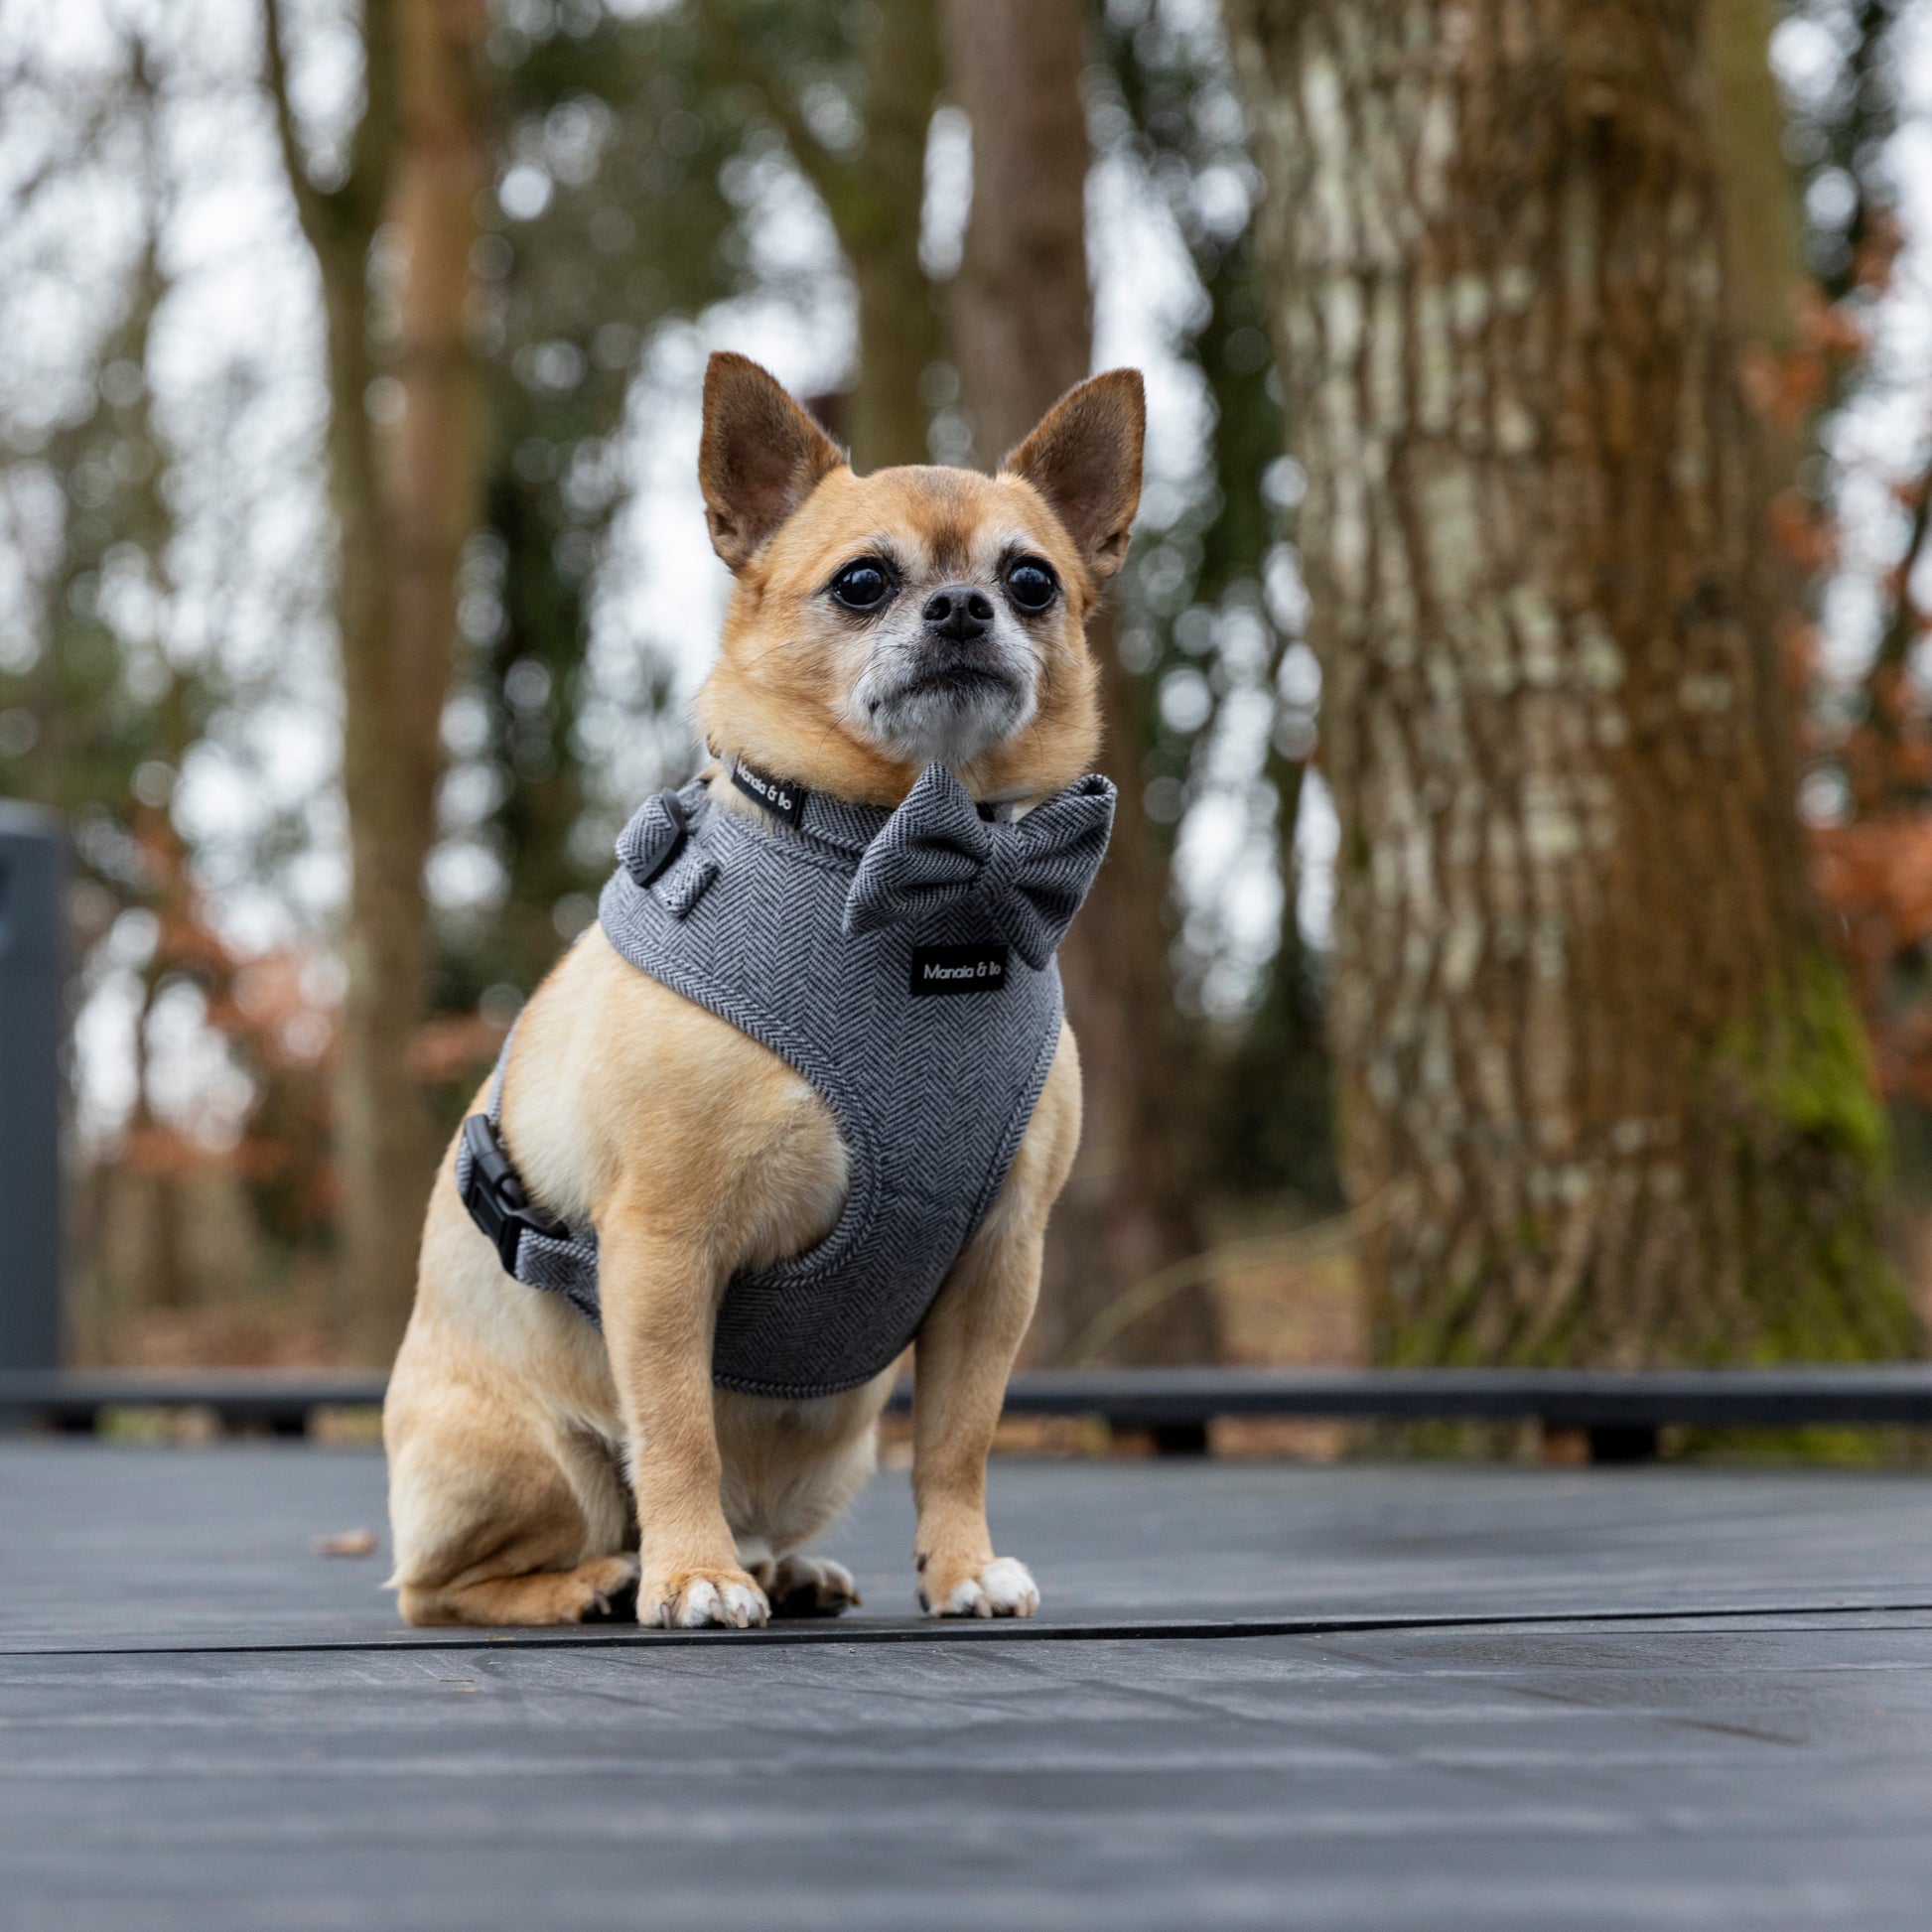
975 1631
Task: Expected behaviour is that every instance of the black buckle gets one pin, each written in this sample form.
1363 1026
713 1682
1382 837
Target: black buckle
494 1194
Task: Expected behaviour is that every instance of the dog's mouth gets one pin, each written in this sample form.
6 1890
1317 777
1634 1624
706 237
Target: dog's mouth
962 678
948 705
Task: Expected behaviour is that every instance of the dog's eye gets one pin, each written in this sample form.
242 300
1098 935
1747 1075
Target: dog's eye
862 585
1031 585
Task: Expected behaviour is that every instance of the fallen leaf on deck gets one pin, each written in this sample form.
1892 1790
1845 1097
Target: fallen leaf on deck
348 1543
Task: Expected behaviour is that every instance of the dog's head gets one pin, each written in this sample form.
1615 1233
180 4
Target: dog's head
880 623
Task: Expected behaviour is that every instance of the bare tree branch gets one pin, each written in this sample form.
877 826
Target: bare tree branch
76 132
311 202
826 172
353 210
378 135
1906 621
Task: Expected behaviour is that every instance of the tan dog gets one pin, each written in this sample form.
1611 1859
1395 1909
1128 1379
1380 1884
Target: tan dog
511 1424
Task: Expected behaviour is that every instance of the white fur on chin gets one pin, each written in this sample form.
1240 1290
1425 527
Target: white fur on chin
927 724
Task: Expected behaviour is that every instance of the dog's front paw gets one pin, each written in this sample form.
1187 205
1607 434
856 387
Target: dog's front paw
695 1599
1002 1588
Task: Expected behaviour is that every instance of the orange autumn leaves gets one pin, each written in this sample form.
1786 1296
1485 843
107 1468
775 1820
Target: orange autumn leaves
1866 741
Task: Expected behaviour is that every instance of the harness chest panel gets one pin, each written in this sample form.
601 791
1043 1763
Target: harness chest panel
931 1095
926 1032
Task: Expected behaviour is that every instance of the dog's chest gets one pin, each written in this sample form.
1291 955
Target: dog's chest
798 1180
924 1048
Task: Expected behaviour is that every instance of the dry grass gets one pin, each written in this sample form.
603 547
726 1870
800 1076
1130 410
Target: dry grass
1288 1298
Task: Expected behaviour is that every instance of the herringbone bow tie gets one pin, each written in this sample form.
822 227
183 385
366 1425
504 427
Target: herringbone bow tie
1028 877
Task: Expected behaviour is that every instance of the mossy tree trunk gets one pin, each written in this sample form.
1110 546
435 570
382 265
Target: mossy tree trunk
1765 256
1604 1096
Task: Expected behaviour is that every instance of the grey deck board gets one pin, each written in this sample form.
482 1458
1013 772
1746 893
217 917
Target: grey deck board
220 1537
1707 1731
1588 1777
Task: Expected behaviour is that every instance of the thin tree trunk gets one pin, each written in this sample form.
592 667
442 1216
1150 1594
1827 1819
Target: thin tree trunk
431 461
404 499
1764 260
876 197
1604 1094
1021 330
878 213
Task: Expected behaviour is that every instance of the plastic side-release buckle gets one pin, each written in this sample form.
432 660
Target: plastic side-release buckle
494 1194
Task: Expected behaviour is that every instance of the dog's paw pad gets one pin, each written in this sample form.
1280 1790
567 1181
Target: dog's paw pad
811 1586
727 1601
1005 1587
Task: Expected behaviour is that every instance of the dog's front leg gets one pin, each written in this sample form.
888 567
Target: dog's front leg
660 1302
966 1349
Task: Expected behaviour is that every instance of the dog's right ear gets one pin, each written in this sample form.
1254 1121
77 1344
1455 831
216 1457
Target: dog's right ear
762 455
1084 458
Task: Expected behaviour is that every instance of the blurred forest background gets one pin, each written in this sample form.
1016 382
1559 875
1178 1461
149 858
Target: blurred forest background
1518 942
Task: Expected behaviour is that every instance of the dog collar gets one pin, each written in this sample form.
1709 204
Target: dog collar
932 850
837 821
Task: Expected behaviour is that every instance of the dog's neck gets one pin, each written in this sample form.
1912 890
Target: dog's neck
760 730
739 785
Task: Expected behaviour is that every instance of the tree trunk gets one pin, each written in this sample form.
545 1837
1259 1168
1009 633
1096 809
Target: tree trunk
431 461
1764 258
1023 334
405 498
381 1126
878 211
876 197
1605 1099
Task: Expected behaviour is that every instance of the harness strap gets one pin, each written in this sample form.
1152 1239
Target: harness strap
534 1250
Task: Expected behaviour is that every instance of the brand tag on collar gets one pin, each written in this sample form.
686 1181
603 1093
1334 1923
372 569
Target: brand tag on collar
979 968
778 796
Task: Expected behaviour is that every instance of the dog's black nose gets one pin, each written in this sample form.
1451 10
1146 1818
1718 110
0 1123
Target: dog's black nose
958 613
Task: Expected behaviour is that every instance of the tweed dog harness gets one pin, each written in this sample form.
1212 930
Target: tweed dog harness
900 961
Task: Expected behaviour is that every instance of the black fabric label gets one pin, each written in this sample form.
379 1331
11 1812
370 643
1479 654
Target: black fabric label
958 969
778 796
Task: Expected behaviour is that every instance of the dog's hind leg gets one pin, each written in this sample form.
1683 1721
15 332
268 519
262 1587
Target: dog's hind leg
802 1585
499 1520
603 1591
790 1469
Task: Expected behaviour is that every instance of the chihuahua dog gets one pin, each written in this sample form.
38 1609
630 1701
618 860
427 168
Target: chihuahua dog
919 629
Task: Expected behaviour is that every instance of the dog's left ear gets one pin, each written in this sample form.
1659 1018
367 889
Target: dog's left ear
1085 459
761 456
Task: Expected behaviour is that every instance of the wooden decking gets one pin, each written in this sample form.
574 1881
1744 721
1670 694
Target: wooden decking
1260 1695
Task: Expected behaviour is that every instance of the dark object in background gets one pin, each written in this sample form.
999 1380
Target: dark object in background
32 868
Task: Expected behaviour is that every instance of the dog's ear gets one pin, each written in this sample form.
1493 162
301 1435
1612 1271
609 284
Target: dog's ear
1085 459
761 456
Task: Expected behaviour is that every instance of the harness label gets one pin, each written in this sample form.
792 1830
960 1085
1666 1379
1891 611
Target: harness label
781 800
958 969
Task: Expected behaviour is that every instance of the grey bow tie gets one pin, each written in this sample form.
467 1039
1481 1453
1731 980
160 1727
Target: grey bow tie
1029 877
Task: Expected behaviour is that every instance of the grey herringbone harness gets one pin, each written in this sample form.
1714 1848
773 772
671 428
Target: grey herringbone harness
903 962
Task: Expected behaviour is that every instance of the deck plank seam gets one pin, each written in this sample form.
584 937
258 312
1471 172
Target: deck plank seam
977 1632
